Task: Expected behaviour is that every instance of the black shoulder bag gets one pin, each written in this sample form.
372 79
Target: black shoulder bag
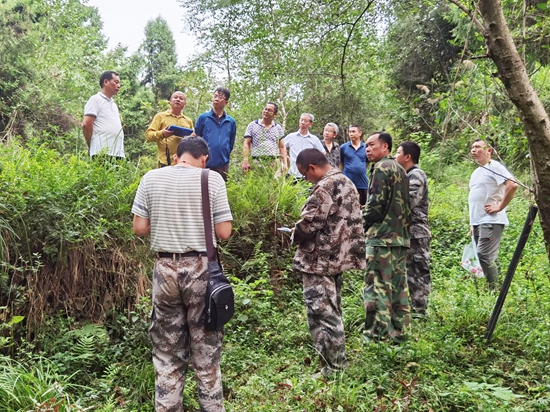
220 301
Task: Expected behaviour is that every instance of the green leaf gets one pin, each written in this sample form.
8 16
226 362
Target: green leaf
542 6
16 319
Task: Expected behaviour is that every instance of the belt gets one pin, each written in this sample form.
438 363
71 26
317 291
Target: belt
175 256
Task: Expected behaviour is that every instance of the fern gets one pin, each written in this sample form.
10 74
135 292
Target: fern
90 330
88 343
111 372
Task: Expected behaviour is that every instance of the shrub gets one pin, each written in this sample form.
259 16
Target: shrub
67 233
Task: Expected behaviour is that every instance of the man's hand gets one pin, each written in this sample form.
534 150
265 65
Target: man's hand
493 208
246 165
509 192
88 128
142 226
166 133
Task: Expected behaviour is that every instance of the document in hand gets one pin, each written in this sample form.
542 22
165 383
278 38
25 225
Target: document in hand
180 131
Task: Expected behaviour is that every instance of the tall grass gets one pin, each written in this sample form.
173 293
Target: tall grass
69 227
260 204
37 388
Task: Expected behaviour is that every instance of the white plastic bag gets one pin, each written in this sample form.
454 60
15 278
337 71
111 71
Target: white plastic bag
470 261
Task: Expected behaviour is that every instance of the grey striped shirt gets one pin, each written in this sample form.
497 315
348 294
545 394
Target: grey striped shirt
171 199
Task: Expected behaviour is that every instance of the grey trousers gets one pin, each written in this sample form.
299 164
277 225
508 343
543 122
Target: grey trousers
488 238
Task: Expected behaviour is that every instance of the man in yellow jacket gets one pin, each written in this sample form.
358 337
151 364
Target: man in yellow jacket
158 130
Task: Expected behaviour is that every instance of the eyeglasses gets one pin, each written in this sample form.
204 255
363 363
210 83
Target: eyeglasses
305 171
219 97
269 111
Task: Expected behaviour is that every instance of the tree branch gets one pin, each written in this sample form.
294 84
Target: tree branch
481 56
469 13
343 61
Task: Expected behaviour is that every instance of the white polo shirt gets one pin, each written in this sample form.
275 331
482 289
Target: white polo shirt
107 132
487 187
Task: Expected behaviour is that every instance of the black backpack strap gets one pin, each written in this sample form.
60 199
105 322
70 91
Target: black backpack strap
207 218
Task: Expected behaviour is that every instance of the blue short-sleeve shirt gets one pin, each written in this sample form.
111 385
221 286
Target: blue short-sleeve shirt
355 164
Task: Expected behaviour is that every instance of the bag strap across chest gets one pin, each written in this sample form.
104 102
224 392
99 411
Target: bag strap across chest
207 217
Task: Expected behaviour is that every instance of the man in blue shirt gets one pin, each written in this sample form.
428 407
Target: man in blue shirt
353 162
300 140
219 130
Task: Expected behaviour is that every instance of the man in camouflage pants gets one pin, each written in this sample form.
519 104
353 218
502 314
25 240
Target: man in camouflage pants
168 206
386 218
418 255
330 241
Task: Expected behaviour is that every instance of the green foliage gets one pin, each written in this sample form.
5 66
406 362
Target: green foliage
322 62
37 388
268 358
73 275
421 42
70 216
42 94
62 200
444 90
159 52
260 204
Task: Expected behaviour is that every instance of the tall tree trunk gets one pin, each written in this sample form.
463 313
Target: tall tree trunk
513 74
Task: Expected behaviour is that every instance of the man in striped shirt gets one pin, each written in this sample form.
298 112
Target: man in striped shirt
263 140
168 207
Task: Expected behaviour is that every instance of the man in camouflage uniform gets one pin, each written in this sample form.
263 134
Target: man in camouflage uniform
168 206
386 218
418 255
330 240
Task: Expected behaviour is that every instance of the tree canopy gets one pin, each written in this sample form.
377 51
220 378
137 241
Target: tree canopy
418 69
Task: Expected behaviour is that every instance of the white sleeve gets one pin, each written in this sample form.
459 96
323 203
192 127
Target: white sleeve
501 174
139 206
218 198
92 107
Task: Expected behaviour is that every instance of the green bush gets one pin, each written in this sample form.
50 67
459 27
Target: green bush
260 204
37 388
66 233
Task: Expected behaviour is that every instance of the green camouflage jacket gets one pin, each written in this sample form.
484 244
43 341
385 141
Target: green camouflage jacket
418 192
387 212
329 234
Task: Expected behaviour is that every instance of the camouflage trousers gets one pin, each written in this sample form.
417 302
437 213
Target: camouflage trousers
386 293
323 298
418 273
178 335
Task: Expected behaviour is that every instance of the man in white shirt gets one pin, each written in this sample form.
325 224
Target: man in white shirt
492 187
300 140
101 125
